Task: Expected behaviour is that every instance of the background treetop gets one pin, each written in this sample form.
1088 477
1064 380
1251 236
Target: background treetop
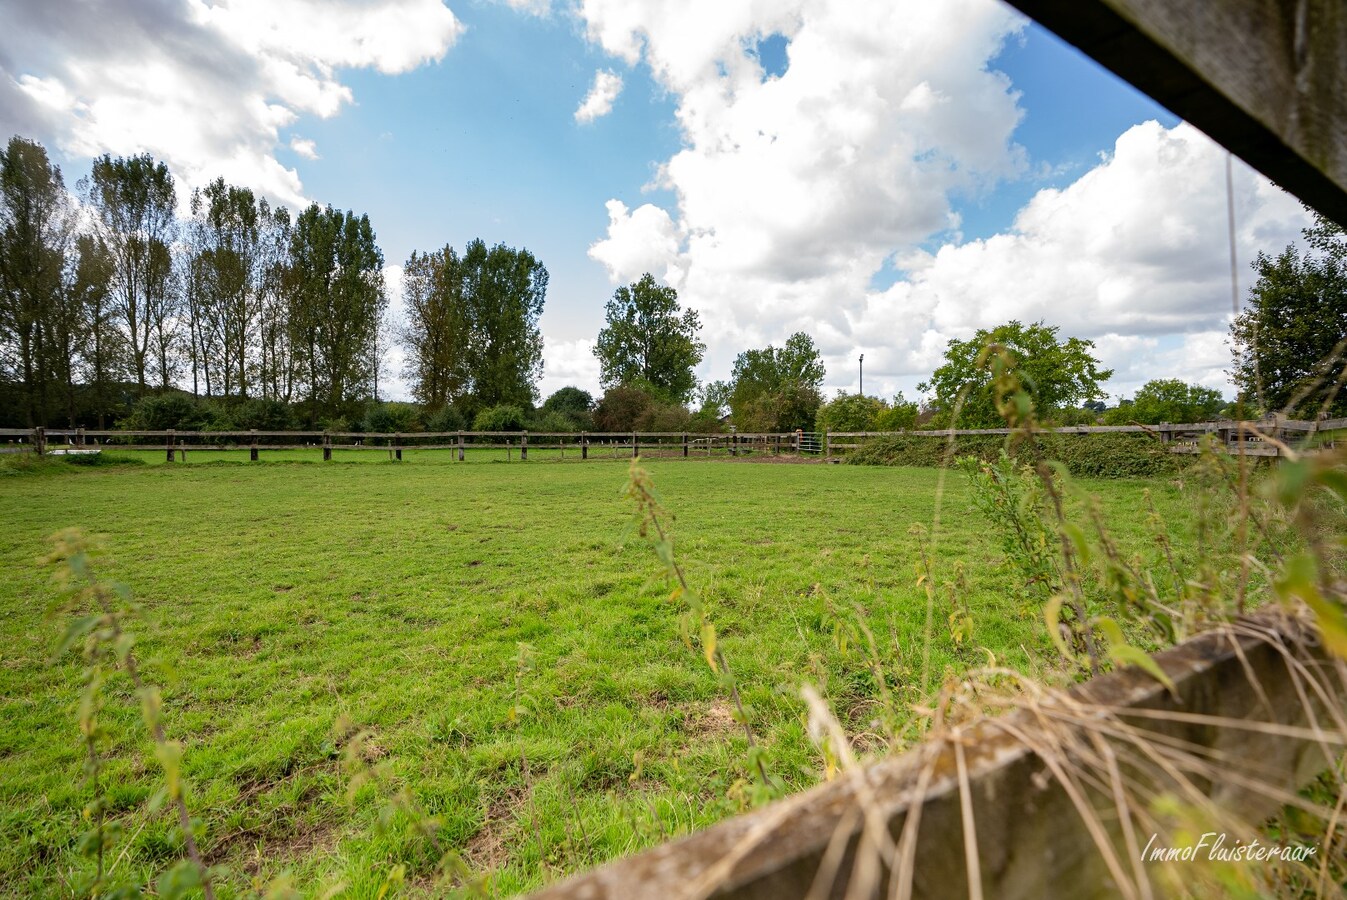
777 389
649 342
1057 374
1287 343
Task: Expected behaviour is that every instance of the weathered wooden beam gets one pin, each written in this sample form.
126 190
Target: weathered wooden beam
1265 78
1030 836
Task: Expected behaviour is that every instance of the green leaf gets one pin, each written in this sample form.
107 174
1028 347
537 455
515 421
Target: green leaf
169 755
179 881
1292 479
150 705
709 645
1076 535
1332 624
1110 629
75 631
1127 655
1335 480
1052 615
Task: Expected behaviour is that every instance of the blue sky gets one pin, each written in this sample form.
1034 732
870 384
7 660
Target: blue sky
884 176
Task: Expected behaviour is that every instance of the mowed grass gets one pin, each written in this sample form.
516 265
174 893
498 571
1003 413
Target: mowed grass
426 601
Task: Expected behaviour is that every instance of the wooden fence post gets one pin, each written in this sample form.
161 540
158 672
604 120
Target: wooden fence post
524 447
79 437
460 446
170 445
397 444
685 444
635 448
584 445
252 448
734 443
827 445
40 440
327 447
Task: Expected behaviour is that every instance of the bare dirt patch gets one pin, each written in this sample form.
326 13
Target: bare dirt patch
489 849
716 719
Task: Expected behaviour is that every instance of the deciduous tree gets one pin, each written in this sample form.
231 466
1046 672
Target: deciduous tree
777 389
133 199
437 332
1168 400
337 303
227 230
649 343
1057 374
1288 341
36 226
472 335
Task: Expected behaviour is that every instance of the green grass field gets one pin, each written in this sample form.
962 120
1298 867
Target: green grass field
428 600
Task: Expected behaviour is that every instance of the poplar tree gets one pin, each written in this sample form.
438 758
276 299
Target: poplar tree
133 199
36 226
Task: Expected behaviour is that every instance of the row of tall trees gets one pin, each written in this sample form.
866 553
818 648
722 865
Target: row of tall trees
471 334
111 292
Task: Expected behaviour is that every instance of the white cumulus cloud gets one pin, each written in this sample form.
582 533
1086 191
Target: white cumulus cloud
207 87
304 147
599 101
1135 249
793 193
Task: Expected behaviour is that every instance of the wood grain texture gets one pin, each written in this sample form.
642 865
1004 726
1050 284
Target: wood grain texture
1264 78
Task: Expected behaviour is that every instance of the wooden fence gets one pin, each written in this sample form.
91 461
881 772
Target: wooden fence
581 445
994 799
1257 438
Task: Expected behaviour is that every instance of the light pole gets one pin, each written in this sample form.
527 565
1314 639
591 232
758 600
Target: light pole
862 374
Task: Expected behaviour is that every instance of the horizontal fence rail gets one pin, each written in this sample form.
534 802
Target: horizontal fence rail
582 445
1239 697
1264 437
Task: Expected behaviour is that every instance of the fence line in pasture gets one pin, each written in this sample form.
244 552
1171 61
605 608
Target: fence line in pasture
1265 437
600 444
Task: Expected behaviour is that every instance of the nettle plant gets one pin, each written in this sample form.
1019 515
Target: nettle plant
98 630
1100 605
695 625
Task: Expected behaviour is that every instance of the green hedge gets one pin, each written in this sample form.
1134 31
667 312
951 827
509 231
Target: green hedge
1100 455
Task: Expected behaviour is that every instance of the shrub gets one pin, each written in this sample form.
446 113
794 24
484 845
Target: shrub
575 405
849 412
392 418
900 416
554 421
262 415
1115 455
622 409
161 412
446 418
668 418
500 418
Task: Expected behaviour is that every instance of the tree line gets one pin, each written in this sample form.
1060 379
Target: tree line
109 294
1289 350
113 300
